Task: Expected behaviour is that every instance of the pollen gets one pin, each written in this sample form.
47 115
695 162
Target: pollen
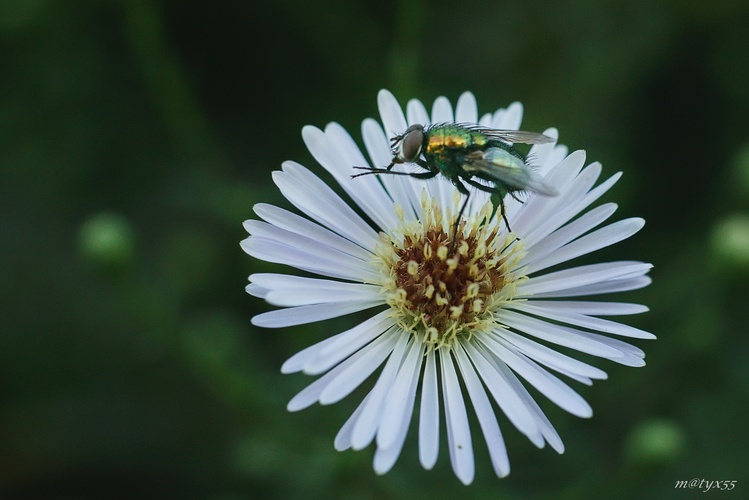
412 268
439 290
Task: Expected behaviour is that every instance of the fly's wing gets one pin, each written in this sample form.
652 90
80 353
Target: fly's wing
496 164
516 136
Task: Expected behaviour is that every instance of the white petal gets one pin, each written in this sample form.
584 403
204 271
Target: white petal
322 202
260 229
366 426
560 335
313 392
301 315
347 343
601 238
456 419
359 367
507 399
395 408
429 417
391 113
442 111
612 286
290 282
299 225
564 212
539 214
289 290
367 193
385 457
417 113
545 428
569 232
587 342
591 308
631 355
580 276
342 440
466 110
354 292
297 362
574 318
441 189
378 147
546 383
562 363
557 155
487 420
510 118
310 256
315 198
540 153
256 291
366 190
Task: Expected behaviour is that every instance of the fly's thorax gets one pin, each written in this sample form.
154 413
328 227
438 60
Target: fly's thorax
453 137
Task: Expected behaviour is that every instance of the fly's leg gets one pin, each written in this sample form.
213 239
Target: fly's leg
372 170
415 175
493 190
504 215
464 191
421 175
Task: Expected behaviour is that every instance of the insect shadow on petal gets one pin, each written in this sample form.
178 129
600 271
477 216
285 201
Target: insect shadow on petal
480 157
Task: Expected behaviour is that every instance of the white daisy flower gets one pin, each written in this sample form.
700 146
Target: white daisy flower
464 324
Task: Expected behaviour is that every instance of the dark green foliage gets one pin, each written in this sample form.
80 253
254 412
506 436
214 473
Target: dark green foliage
136 135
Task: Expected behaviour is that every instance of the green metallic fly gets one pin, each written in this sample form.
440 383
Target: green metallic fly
481 157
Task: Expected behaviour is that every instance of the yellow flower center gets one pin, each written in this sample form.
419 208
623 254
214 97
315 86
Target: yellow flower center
440 291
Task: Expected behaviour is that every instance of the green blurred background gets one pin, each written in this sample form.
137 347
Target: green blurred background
135 136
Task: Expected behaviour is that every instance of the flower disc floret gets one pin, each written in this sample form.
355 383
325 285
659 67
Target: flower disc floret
441 290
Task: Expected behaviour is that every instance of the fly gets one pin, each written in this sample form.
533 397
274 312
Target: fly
480 157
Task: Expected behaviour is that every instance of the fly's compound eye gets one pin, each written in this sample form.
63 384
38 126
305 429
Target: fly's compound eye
411 143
